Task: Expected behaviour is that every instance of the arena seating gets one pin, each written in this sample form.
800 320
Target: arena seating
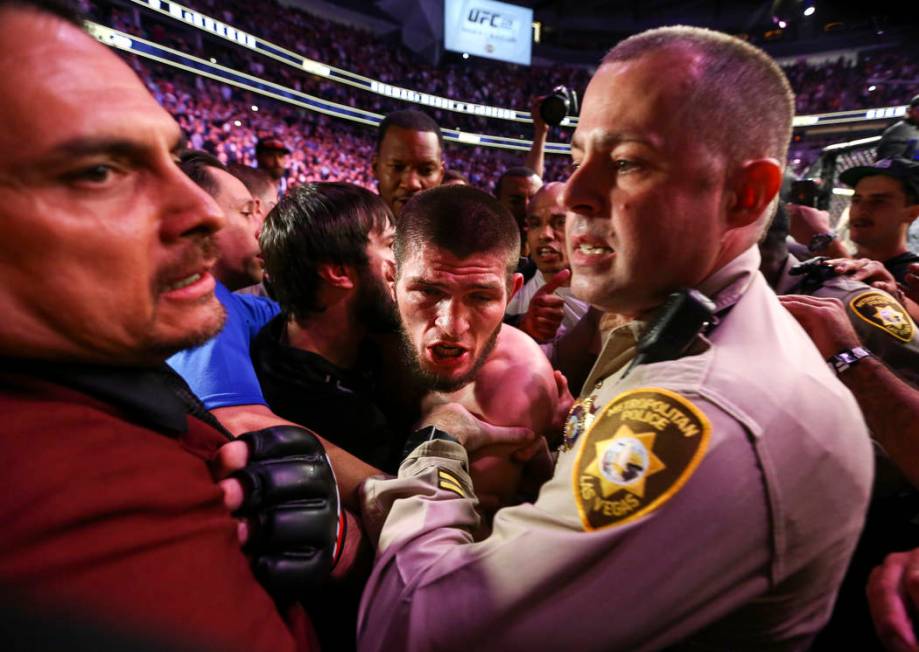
210 112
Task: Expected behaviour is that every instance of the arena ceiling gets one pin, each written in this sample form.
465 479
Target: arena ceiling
593 24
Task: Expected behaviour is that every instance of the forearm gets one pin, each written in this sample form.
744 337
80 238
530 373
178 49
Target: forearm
891 410
350 471
434 587
535 159
835 249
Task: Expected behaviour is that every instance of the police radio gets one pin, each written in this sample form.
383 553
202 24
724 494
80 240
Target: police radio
684 315
814 273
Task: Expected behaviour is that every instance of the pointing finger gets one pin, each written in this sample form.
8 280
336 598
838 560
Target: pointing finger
557 281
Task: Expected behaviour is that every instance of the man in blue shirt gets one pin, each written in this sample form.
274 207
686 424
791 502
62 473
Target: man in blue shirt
219 371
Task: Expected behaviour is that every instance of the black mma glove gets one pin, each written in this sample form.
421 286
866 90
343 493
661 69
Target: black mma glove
296 526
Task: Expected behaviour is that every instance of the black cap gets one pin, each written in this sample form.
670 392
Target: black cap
271 143
899 168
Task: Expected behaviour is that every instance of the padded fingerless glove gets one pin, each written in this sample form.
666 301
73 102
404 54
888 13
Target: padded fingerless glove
296 526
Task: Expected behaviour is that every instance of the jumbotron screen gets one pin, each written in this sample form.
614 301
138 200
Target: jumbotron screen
485 28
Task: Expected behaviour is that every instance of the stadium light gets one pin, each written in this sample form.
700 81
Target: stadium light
465 55
782 24
809 11
872 88
254 107
237 123
213 60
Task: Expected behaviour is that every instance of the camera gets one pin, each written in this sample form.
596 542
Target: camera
805 192
558 104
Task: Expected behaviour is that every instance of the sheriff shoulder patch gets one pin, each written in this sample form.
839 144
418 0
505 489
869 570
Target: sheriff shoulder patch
882 311
446 480
640 450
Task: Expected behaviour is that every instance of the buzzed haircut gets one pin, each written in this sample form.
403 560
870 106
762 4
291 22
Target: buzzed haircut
519 171
409 119
741 100
317 223
195 163
459 219
66 10
257 181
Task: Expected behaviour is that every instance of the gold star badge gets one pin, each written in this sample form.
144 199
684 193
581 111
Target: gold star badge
624 461
882 311
641 449
890 317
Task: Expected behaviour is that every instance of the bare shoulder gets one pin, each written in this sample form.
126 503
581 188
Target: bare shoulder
516 348
516 385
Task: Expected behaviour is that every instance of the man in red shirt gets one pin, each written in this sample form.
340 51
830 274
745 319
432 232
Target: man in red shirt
109 508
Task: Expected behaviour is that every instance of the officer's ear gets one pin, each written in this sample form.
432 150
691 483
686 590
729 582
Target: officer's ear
514 285
338 276
754 186
912 212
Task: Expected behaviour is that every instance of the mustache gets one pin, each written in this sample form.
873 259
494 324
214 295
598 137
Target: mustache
201 253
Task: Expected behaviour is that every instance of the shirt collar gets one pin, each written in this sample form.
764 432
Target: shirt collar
727 284
154 396
725 287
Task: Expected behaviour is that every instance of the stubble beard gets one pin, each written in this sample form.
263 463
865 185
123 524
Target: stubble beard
435 383
159 347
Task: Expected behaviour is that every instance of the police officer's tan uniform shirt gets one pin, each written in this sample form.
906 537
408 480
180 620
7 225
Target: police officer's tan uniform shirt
882 324
713 501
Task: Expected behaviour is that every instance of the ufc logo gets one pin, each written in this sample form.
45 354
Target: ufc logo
483 16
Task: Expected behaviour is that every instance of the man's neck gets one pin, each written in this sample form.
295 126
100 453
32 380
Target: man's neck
233 282
881 252
331 335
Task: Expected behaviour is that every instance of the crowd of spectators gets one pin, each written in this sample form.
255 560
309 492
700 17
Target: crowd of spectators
876 78
330 43
220 119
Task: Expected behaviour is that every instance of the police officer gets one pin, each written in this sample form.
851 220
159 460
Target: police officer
884 204
710 497
884 330
883 325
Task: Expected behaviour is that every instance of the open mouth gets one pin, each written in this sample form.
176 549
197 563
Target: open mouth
586 254
594 250
184 282
447 355
548 252
189 287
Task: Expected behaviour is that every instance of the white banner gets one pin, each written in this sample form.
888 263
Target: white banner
486 28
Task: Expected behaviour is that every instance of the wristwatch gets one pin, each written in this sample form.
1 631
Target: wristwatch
422 435
820 241
845 359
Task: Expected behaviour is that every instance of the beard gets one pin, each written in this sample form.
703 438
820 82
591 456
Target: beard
435 383
374 306
161 349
